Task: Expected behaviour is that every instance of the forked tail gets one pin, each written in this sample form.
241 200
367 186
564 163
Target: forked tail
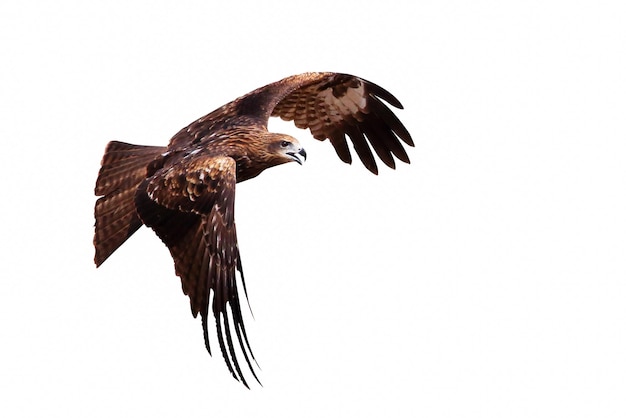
124 166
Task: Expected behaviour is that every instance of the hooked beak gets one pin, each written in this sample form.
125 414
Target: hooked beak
295 155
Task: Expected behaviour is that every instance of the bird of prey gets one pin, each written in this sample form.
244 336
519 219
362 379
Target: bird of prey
185 191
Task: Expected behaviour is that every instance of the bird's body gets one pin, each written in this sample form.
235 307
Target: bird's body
185 192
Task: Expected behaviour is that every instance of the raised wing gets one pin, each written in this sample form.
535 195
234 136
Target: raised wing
331 105
335 105
191 208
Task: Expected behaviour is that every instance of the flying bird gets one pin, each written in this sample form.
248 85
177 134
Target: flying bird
185 191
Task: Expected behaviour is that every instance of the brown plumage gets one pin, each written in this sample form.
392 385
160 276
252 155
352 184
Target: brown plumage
185 192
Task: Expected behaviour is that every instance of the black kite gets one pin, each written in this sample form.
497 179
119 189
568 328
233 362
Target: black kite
185 192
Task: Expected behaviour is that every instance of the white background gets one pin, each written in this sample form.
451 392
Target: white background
486 279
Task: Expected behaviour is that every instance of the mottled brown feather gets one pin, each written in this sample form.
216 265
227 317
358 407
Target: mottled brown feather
332 105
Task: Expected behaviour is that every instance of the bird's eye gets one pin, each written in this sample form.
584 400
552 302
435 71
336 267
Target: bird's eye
284 144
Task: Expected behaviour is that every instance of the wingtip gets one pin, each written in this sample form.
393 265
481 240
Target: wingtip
384 94
205 332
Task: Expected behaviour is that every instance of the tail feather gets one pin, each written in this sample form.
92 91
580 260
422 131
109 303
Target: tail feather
124 166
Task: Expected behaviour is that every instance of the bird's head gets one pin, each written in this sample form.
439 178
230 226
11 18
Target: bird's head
285 149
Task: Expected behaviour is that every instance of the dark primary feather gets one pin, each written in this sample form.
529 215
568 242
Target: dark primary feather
185 192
